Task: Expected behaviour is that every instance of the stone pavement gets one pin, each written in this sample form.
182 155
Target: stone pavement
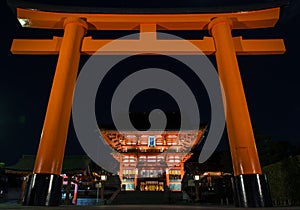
134 207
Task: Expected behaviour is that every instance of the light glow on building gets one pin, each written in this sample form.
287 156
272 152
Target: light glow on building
153 160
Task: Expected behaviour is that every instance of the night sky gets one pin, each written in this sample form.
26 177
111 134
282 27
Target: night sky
271 85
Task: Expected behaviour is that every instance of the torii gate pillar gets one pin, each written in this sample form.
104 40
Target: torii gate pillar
44 185
250 186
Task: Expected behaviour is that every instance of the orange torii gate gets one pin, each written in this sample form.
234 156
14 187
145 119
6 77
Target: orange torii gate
250 185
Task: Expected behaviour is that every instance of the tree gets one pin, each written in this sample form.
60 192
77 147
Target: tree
283 181
271 151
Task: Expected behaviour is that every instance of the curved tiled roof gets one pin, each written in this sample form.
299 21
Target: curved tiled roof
71 164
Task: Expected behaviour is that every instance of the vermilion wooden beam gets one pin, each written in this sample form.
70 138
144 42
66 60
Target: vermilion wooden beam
258 46
91 46
36 46
241 20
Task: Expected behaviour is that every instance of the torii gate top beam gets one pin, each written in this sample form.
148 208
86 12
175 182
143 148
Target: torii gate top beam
149 23
147 7
241 20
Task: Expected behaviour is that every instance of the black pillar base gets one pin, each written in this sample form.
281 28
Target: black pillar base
43 190
251 190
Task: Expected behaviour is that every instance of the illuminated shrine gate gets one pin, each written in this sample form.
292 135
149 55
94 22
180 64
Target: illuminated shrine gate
153 160
250 185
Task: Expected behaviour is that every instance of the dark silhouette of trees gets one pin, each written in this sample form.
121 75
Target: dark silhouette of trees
271 151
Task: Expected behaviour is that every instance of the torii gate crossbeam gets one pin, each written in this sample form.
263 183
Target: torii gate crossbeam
251 189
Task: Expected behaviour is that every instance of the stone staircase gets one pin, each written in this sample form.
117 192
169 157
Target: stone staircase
155 198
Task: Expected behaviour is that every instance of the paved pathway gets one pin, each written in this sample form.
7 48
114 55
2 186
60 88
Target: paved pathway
135 207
